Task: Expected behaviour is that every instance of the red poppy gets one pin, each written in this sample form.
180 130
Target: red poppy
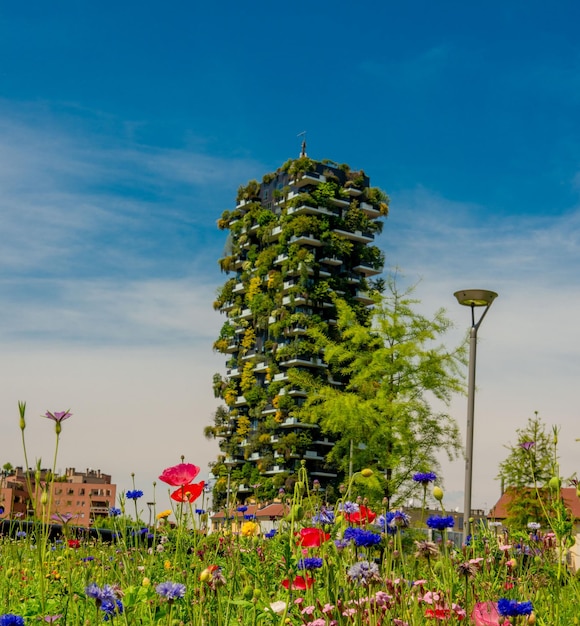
312 537
74 543
179 475
188 493
300 583
363 516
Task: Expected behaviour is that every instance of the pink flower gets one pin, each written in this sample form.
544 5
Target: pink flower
179 475
57 416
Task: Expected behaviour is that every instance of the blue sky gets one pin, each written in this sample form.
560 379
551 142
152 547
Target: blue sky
126 130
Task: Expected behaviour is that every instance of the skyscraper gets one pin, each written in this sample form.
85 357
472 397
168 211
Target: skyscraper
301 237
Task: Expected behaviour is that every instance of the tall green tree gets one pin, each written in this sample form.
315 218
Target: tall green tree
394 372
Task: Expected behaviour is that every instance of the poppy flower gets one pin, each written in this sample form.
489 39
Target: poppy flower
363 516
188 493
312 537
299 583
74 543
179 475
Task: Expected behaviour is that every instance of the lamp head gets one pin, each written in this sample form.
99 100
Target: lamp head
475 297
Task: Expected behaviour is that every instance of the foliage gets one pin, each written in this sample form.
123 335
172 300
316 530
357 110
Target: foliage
393 371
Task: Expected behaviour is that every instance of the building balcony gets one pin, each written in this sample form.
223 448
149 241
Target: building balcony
269 410
311 178
276 469
294 300
304 362
240 401
250 354
353 192
334 261
294 421
260 368
312 455
246 314
366 270
305 209
363 297
233 372
356 235
232 347
295 330
369 210
280 259
239 288
323 474
280 377
275 233
339 202
298 393
306 240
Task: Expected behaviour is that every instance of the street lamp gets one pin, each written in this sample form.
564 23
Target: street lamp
472 298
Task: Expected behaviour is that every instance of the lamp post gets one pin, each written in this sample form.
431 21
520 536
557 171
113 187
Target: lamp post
472 298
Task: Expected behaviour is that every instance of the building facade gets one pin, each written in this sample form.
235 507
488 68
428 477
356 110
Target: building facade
81 496
297 240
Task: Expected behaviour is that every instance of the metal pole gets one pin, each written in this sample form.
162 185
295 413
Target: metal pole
469 434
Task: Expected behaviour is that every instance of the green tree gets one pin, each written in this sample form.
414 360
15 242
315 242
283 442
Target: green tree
525 476
392 372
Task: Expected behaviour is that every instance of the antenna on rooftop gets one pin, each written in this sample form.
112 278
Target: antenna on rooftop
303 150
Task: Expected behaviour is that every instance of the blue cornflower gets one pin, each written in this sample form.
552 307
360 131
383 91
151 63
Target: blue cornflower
242 509
21 534
437 522
513 608
270 533
364 572
200 511
361 537
424 478
134 494
106 594
88 558
114 512
9 619
385 523
312 562
349 507
400 519
170 590
249 516
111 608
324 516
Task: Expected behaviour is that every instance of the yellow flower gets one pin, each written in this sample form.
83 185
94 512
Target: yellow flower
146 582
167 564
164 514
249 529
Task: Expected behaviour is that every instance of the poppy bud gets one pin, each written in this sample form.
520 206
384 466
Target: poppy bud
554 483
367 472
44 498
438 493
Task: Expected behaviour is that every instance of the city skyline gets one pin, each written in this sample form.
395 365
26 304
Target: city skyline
125 132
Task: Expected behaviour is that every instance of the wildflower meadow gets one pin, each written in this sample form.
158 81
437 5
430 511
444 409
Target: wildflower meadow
349 563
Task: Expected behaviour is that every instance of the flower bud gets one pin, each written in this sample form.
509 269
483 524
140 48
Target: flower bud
44 498
438 493
367 472
554 483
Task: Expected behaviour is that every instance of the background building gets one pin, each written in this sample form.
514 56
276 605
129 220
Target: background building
85 496
296 240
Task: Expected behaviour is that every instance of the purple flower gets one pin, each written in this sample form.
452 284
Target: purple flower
312 562
424 478
400 519
440 522
57 416
527 445
170 590
513 608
